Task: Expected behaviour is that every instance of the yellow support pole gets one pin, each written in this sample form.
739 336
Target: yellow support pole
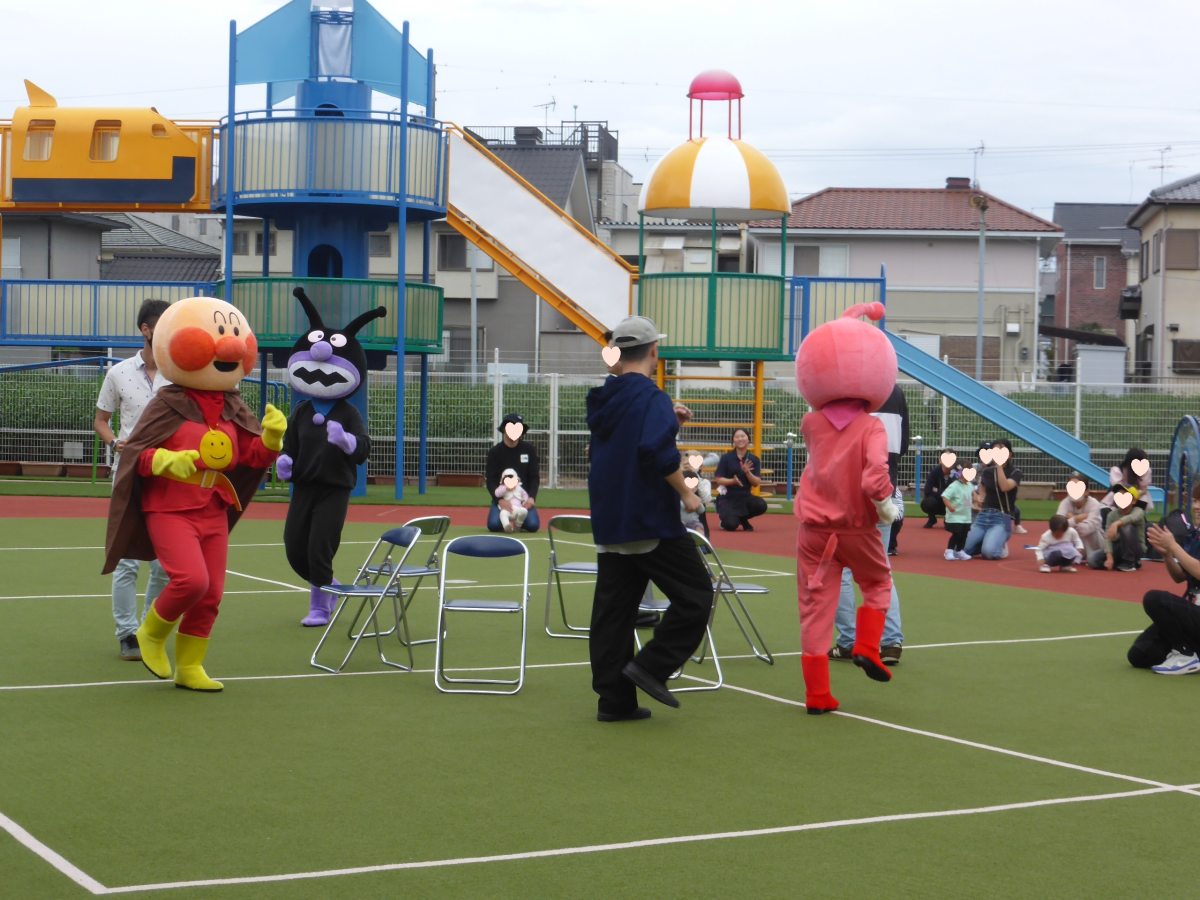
662 374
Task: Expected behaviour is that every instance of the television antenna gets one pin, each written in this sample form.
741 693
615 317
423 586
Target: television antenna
1163 165
545 108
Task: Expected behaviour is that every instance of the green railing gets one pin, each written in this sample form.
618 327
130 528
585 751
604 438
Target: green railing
717 315
278 319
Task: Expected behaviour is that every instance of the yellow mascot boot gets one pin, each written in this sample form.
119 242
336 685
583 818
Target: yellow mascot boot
189 664
152 639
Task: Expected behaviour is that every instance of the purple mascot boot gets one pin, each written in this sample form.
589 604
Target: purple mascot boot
320 608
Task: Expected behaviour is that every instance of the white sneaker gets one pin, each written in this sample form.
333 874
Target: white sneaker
1177 663
1020 529
961 554
1004 552
950 555
1043 568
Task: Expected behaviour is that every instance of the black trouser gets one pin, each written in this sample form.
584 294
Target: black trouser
958 535
1176 626
677 571
313 530
933 506
734 509
896 526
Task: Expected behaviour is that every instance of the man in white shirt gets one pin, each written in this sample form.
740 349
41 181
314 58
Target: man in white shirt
128 387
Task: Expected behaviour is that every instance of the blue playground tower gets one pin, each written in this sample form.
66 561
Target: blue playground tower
332 170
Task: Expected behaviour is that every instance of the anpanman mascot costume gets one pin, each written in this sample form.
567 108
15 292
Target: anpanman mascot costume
200 454
845 369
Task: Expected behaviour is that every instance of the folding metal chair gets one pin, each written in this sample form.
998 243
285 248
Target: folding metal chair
650 604
435 527
725 587
575 525
378 578
480 547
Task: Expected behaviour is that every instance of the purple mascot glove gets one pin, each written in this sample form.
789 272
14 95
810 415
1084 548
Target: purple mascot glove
339 437
283 467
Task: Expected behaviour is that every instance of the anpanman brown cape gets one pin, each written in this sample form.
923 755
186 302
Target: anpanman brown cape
127 537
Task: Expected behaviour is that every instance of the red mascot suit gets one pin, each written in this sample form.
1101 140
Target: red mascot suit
194 461
845 369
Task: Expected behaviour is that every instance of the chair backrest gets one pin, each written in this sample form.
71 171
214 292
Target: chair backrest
433 526
710 558
567 524
404 536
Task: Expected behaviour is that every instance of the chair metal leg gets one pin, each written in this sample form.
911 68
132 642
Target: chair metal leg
758 646
442 681
573 631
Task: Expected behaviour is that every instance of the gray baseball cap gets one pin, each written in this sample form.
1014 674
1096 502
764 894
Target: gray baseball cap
635 331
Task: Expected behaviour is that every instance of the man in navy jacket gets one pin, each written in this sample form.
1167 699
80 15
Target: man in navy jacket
635 487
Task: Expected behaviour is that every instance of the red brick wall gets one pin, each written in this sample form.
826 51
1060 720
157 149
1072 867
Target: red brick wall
1087 303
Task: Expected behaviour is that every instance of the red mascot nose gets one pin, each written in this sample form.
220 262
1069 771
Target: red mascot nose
230 349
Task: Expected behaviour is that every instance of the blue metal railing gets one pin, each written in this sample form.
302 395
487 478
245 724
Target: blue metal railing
815 301
294 156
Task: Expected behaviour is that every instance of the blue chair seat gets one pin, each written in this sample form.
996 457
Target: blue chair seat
484 605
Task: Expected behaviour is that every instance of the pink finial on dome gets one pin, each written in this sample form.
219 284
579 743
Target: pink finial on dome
721 86
715 84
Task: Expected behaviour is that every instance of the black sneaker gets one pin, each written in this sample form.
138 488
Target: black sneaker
129 649
890 656
746 526
839 652
633 715
932 521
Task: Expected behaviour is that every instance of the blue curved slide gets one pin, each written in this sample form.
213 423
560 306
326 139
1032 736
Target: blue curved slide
998 409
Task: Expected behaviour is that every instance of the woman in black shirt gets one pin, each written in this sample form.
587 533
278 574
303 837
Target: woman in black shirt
738 472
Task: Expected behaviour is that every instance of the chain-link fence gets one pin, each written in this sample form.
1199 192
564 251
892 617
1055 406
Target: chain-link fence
46 415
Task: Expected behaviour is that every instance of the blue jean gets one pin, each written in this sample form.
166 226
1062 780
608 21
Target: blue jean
532 521
124 593
989 534
892 635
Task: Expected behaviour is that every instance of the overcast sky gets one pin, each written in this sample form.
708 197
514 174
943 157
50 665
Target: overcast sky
1071 100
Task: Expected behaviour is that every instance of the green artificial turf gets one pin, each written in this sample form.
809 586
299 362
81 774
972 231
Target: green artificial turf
293 771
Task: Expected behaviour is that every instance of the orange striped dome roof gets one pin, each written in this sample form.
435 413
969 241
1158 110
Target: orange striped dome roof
714 175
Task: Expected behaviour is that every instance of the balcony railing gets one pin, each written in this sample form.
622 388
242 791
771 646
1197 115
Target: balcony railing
353 158
717 315
278 319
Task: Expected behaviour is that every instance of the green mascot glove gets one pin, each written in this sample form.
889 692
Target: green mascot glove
274 424
178 464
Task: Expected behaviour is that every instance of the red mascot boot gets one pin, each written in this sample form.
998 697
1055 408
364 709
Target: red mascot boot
867 630
817 698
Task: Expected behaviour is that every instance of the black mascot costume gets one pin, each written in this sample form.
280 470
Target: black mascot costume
326 440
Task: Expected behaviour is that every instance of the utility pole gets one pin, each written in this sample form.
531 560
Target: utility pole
979 201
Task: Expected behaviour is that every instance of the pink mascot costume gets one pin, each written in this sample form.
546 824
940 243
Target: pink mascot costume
845 369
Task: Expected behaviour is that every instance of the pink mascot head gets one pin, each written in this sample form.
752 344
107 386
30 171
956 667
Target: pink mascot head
847 359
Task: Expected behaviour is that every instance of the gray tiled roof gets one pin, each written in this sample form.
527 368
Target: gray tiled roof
552 170
1185 189
134 234
159 267
1100 223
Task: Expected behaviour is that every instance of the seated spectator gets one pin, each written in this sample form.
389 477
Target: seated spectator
1124 474
1060 546
738 472
1083 514
696 521
1169 645
1124 533
936 482
997 492
513 452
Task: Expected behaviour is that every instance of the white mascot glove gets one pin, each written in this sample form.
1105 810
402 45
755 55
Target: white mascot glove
886 509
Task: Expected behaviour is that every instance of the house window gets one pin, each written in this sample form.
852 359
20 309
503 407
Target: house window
1156 251
202 227
806 260
241 243
106 140
10 250
1144 261
1099 272
454 254
175 222
258 243
1182 250
39 140
380 245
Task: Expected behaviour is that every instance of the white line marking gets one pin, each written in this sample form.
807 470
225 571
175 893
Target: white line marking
56 860
649 842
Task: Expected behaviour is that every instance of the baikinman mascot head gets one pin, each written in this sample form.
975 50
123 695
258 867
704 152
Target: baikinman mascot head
328 363
205 344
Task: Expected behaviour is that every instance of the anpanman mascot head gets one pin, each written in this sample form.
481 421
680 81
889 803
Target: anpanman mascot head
205 344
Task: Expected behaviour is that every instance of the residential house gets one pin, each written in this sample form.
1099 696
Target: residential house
930 242
1168 291
138 249
1096 260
